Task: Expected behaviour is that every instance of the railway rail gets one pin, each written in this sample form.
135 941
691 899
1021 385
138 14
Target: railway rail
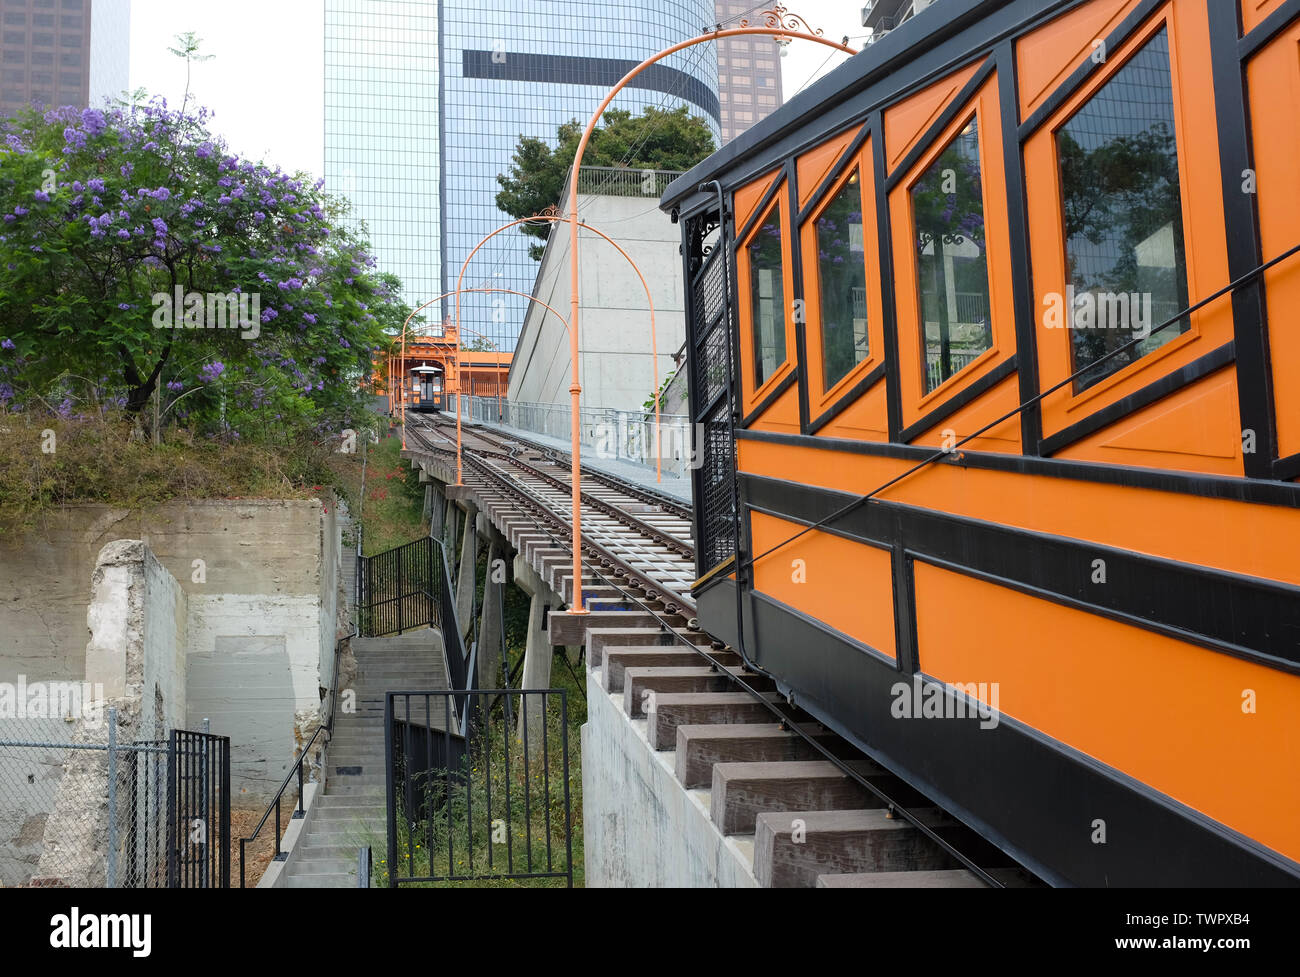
819 812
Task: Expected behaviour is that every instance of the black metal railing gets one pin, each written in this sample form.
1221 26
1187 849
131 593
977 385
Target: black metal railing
474 791
198 811
401 588
297 771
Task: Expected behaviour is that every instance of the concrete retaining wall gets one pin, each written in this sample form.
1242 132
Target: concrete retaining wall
641 828
255 585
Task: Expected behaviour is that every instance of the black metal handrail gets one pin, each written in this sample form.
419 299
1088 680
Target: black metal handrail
327 728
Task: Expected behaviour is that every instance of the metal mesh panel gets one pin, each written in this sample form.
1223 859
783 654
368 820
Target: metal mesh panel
717 511
709 292
713 366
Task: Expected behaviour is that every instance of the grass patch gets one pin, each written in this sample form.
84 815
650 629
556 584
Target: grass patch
474 815
48 463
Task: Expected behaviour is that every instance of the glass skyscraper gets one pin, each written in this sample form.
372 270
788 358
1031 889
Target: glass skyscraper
381 131
507 68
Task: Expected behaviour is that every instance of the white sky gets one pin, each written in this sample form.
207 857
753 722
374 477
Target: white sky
806 61
264 81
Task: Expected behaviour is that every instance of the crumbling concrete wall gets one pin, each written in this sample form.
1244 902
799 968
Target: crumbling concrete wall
257 576
136 655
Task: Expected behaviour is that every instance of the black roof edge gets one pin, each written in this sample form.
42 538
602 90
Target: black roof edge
920 33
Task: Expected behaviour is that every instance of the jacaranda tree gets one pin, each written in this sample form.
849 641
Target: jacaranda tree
144 266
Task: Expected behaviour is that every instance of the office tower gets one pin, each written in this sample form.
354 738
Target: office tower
749 72
426 101
45 53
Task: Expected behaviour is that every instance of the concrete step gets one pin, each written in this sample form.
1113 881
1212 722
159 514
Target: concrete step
342 851
323 866
639 684
617 659
700 747
371 810
672 709
600 638
333 881
742 791
844 842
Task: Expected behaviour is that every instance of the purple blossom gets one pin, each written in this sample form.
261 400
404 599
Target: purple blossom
6 344
211 371
42 196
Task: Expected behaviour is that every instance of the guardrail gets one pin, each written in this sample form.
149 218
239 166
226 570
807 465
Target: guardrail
612 435
624 181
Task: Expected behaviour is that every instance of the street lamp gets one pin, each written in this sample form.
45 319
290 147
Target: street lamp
777 23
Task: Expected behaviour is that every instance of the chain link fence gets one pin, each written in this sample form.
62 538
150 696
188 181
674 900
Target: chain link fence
83 805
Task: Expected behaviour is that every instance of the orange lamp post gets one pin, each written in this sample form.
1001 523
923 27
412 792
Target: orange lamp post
778 24
552 216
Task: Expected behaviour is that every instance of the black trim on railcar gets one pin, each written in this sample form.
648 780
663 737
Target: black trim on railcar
993 778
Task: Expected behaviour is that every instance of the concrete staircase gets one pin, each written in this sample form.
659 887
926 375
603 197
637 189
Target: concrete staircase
350 812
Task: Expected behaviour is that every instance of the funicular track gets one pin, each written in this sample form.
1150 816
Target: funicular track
813 809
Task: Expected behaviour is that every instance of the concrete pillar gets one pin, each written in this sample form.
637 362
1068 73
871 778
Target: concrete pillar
489 630
468 569
537 650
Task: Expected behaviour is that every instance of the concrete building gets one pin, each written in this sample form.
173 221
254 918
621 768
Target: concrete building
617 369
72 52
882 16
749 73
426 101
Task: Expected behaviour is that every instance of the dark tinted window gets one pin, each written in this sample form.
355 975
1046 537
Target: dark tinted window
842 283
1126 266
766 299
952 259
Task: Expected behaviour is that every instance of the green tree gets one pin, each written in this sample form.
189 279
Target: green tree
657 139
106 216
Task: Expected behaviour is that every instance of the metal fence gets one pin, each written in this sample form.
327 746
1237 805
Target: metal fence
613 435
477 787
624 181
91 809
400 589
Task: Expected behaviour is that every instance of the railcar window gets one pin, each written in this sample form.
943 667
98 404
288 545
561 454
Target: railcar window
952 259
842 283
1126 266
767 299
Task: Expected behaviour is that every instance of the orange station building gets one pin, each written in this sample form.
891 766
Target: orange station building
432 368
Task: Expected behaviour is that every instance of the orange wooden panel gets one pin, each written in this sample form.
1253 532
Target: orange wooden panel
1167 713
820 398
1205 244
1254 11
1274 79
1045 58
1252 539
747 198
811 168
1002 399
906 122
866 419
782 415
916 403
812 574
1195 429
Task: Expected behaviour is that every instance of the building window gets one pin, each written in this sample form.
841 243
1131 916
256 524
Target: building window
1126 265
842 283
769 100
766 298
952 260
